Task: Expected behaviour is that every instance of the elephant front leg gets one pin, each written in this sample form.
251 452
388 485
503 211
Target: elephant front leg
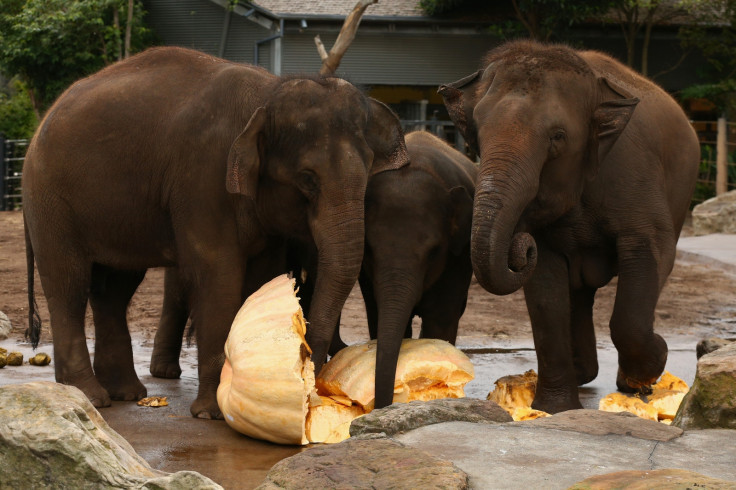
215 303
171 326
642 354
547 297
585 355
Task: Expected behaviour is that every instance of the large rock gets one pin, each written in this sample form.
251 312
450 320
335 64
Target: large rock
708 345
716 215
401 417
364 463
711 401
600 423
52 437
667 479
5 326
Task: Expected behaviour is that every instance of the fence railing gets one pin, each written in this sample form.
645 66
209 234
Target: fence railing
12 154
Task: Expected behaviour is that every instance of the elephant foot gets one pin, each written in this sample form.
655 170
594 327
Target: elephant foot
87 383
636 373
586 374
626 384
125 390
206 408
165 369
556 401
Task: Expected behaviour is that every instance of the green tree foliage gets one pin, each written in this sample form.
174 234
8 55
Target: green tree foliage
543 20
49 44
17 118
714 34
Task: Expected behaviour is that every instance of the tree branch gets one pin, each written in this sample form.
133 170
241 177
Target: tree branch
320 48
346 36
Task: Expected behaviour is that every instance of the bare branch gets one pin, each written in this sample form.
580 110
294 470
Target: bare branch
346 36
320 47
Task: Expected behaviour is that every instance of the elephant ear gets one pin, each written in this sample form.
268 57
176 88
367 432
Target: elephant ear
386 138
609 119
462 217
244 159
460 98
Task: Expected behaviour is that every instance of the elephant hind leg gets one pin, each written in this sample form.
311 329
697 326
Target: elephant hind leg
65 278
110 295
168 340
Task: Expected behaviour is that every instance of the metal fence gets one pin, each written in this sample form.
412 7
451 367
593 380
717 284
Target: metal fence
12 153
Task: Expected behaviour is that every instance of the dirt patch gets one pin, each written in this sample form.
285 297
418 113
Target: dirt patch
697 300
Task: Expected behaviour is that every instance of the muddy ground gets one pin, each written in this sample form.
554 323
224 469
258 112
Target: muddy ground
698 300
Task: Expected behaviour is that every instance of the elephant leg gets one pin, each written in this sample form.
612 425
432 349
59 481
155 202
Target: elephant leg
66 279
642 354
110 295
585 354
371 307
444 302
547 295
168 340
215 302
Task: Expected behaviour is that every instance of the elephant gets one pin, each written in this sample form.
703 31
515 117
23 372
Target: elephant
417 250
174 158
416 259
586 173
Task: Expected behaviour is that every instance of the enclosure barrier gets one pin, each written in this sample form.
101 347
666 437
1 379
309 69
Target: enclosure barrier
12 153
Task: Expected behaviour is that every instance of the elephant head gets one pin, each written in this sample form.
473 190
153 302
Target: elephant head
542 123
304 159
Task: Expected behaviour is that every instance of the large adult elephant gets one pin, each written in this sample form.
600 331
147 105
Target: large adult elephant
176 158
587 171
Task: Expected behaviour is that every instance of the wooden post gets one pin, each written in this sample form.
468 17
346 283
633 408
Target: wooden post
722 156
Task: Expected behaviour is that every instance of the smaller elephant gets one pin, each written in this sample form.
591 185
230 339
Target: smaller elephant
417 250
416 259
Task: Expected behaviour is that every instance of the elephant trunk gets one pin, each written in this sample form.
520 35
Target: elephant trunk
397 292
503 259
339 239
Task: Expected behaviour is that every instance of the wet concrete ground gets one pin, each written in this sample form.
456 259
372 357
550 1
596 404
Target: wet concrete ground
171 440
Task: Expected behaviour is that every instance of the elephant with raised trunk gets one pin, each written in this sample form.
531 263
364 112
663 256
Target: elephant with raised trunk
587 170
178 159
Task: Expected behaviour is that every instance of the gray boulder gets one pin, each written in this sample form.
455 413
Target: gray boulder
653 479
366 462
401 417
711 402
706 346
52 436
716 215
5 326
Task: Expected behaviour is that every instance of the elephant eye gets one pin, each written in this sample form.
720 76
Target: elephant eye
308 182
558 136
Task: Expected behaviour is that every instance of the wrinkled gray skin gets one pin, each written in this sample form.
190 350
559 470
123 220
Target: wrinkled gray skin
586 173
416 261
174 158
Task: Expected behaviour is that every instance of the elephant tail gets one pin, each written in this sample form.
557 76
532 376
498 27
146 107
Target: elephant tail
33 333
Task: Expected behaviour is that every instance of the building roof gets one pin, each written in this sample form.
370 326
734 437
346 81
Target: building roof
330 8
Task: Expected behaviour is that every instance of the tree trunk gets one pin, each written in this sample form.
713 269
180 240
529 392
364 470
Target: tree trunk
129 27
331 60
